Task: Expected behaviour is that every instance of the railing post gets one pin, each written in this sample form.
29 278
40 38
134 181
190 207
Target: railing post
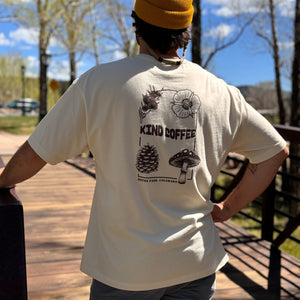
13 285
268 208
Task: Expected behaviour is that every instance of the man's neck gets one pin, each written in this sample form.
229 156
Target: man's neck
171 54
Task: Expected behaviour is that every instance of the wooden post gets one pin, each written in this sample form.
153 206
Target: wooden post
267 226
274 284
13 285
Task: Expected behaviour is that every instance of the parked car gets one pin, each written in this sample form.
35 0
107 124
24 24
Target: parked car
25 104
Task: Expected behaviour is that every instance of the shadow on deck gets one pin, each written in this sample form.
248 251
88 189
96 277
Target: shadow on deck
259 270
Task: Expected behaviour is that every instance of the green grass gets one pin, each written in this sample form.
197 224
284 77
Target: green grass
18 125
254 228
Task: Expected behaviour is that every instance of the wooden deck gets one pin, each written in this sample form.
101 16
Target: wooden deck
56 205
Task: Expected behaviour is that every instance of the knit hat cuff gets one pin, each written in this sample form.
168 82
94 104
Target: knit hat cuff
159 17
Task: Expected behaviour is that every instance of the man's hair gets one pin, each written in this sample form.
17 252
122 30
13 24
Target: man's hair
158 38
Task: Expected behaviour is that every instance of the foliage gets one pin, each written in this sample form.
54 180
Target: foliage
10 77
11 82
119 27
73 26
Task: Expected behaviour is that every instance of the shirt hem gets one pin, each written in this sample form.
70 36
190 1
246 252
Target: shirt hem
155 285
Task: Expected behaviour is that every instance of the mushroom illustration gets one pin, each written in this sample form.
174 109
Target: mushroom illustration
184 160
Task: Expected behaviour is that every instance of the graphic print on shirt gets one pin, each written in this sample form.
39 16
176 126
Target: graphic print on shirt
167 116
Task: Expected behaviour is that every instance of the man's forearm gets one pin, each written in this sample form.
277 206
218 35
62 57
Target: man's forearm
255 180
23 165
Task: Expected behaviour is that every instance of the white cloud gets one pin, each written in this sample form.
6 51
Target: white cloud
287 8
229 12
225 8
32 66
32 62
59 70
55 43
221 31
286 45
28 35
4 41
224 12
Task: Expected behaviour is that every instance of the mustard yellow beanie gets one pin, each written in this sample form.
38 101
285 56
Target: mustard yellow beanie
170 14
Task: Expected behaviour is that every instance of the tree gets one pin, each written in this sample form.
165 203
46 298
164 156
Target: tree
267 28
197 33
295 105
43 15
48 13
93 22
72 29
6 15
218 39
294 186
273 43
118 28
10 77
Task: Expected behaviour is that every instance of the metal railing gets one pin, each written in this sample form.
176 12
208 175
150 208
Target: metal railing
277 200
13 284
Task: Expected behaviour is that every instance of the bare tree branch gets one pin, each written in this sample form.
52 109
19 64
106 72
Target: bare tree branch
229 43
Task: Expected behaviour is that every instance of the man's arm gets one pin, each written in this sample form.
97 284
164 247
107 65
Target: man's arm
256 179
24 164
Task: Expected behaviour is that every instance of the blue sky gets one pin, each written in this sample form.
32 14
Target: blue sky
244 63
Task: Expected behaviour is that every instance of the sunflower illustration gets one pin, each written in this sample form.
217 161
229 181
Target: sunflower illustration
185 104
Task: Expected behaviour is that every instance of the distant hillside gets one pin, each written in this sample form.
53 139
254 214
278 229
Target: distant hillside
263 97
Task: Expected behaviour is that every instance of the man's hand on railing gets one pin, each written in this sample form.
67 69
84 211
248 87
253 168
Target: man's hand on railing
220 213
255 180
2 184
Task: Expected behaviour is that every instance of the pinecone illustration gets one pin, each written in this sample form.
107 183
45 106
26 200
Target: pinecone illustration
147 159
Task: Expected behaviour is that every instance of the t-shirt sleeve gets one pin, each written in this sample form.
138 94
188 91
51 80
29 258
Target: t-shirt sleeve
256 138
62 133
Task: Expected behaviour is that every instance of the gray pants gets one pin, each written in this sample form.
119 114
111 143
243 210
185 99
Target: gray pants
201 289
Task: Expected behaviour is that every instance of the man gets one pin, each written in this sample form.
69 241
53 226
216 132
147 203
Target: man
160 129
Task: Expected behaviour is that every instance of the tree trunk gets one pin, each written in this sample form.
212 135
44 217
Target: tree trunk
277 63
72 67
94 30
42 58
295 106
294 186
43 85
196 33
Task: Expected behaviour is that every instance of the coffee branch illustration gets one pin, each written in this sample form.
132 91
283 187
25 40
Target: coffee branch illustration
150 102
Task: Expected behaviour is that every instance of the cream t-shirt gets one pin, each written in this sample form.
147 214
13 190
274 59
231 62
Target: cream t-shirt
159 135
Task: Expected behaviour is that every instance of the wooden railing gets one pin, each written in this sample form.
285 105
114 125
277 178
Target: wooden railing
269 200
13 285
